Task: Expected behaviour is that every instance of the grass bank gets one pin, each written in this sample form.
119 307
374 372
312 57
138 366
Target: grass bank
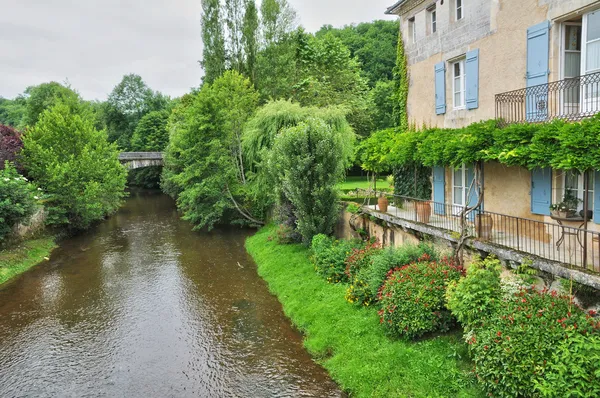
16 260
349 342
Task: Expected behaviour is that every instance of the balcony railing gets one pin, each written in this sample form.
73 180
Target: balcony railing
569 99
577 247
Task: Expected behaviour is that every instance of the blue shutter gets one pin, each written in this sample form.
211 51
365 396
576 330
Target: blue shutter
541 191
538 54
439 190
474 195
472 79
597 197
440 88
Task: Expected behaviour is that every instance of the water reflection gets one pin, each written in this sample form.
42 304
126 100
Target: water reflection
142 306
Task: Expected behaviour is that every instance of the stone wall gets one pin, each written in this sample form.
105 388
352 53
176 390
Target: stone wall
33 226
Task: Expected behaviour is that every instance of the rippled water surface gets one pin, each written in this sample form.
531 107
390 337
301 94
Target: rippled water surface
142 307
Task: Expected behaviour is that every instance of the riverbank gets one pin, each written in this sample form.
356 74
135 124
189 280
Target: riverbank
25 255
349 342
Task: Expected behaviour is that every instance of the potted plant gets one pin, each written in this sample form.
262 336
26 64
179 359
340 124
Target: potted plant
567 208
383 203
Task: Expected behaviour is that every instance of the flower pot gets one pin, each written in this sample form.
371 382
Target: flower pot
382 202
485 225
590 214
563 214
423 211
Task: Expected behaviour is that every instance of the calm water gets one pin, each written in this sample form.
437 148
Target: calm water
143 307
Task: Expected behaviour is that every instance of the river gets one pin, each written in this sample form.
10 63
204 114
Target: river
141 306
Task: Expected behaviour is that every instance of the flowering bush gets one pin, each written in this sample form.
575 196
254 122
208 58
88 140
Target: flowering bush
412 298
329 257
391 258
536 341
17 199
10 144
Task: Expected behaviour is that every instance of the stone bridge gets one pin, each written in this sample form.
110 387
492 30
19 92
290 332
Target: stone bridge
138 160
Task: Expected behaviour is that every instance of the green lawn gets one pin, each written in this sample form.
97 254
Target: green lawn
353 183
16 260
349 342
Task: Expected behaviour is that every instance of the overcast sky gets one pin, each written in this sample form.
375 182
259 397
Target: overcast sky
93 43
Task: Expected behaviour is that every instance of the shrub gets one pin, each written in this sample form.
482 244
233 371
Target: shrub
475 297
412 298
17 199
357 264
10 144
391 258
526 345
329 257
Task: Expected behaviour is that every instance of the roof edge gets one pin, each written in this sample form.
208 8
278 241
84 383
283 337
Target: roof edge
392 10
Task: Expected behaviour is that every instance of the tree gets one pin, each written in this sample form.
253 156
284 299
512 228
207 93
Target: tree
383 96
278 19
205 168
150 135
234 50
213 52
45 96
18 199
307 161
250 38
10 144
75 165
12 112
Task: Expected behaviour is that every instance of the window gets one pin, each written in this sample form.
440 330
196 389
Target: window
433 21
412 27
590 62
458 84
459 10
574 188
459 188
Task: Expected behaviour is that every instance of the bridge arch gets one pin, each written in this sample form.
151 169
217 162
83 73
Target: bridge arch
138 160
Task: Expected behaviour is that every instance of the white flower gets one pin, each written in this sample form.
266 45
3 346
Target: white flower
36 198
7 179
39 189
25 179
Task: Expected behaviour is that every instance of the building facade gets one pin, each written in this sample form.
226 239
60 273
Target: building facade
518 61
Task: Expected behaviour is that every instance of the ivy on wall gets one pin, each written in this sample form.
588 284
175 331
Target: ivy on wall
400 86
413 181
559 144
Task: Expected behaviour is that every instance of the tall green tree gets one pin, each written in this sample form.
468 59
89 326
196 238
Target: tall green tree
12 112
205 168
250 38
75 165
278 20
234 20
213 39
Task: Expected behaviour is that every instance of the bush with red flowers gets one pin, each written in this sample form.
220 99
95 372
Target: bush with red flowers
533 344
10 144
413 298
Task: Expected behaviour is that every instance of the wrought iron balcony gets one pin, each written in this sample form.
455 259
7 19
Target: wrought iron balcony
569 99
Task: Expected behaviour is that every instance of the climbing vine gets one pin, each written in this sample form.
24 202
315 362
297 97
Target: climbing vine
400 72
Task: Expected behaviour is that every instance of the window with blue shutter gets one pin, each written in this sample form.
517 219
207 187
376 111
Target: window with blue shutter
472 79
440 88
541 190
439 190
538 50
474 192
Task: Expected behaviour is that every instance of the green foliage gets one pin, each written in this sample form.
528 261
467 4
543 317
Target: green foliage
16 260
557 144
401 82
18 199
474 298
12 112
151 134
307 161
372 43
45 96
75 165
412 298
391 258
348 341
329 257
353 208
383 97
204 165
574 370
413 181
525 345
213 50
357 265
278 19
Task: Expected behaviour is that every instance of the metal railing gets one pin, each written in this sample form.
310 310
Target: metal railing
559 242
569 99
